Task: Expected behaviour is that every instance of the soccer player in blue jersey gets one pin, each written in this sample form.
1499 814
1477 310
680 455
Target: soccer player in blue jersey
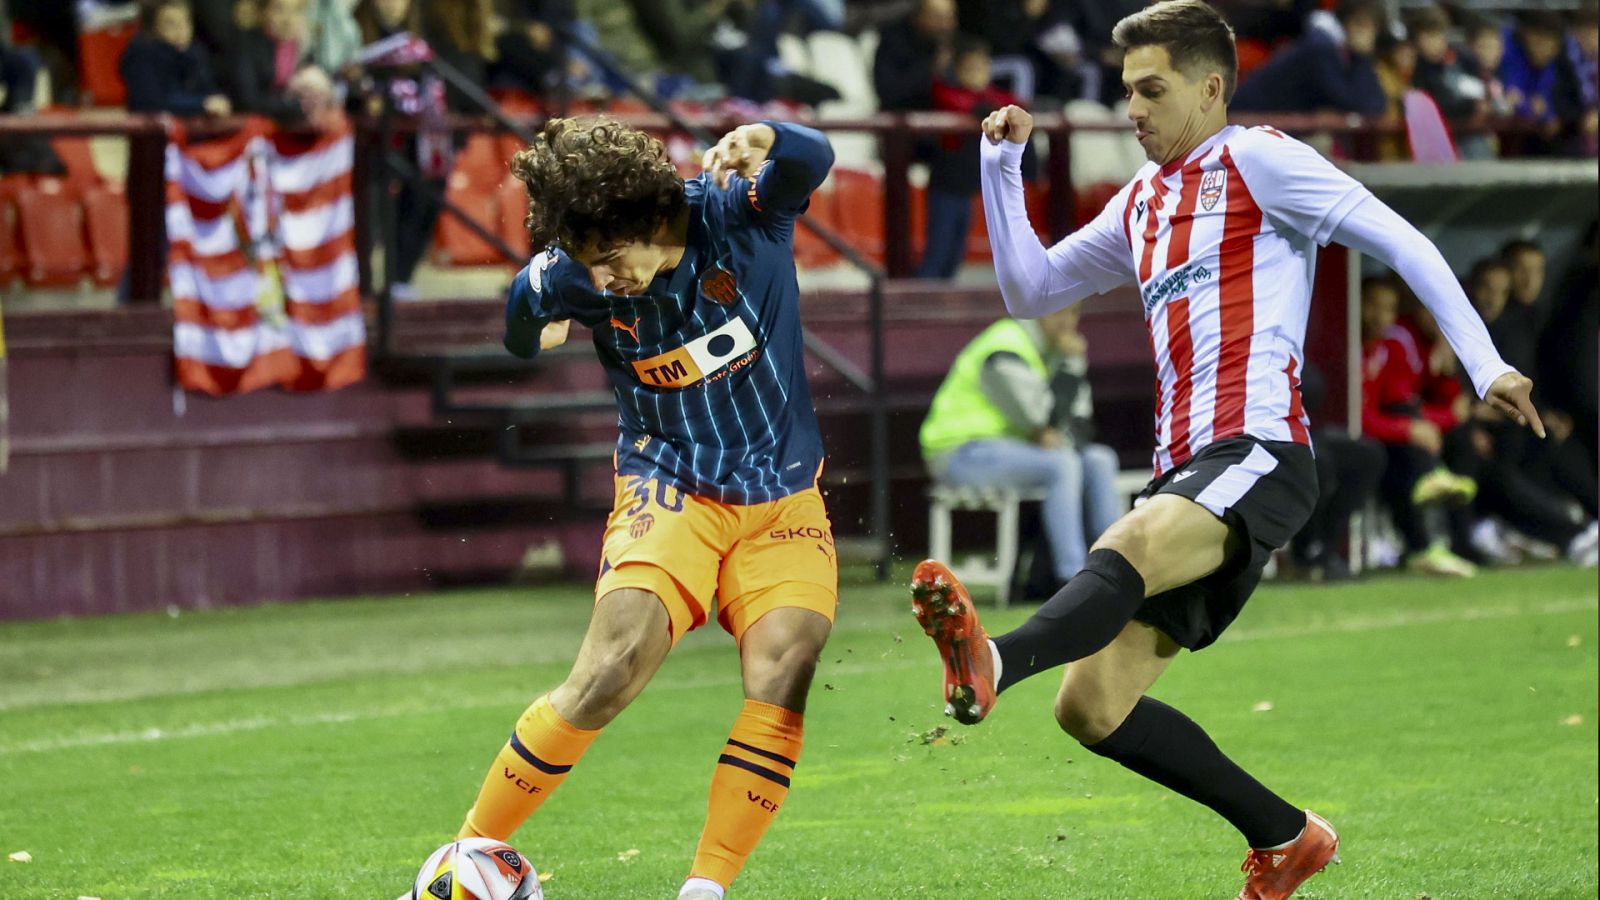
688 288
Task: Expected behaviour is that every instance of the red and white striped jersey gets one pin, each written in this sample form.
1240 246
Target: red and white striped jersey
1223 247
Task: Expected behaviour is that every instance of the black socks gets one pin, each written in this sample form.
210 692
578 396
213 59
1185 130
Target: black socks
1167 747
1080 619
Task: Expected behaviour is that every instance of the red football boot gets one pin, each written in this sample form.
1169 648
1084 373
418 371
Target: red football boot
1275 874
945 611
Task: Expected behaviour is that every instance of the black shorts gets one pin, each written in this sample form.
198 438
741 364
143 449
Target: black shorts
1264 491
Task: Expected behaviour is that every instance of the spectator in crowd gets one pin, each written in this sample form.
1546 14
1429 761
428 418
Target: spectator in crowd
1480 57
458 31
1331 67
1092 23
272 74
1348 470
912 53
1439 72
1261 28
19 76
1015 412
334 35
953 173
1540 81
662 41
530 55
1583 55
165 70
409 93
1536 487
1396 62
1034 47
1451 78
1394 412
1569 355
216 26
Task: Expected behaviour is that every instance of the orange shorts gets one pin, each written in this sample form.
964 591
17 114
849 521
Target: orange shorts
696 553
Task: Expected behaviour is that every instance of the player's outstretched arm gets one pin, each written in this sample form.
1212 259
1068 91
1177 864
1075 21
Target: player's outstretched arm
1035 280
1380 232
785 161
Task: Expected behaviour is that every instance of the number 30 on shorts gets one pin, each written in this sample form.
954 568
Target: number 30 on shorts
669 498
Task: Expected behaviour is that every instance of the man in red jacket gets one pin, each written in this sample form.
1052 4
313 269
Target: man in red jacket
1397 410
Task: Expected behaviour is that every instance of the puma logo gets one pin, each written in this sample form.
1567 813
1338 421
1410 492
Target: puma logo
631 329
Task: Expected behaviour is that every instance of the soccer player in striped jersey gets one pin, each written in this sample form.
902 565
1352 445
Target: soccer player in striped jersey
688 288
1219 230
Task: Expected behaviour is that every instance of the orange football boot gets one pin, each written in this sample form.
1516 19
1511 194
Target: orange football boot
944 610
1275 874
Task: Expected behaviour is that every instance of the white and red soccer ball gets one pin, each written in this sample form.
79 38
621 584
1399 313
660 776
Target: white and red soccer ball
477 869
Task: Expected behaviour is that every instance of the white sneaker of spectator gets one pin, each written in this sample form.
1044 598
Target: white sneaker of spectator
1584 550
402 291
1531 548
1489 538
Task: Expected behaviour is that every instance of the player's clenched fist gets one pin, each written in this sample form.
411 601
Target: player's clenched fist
1010 123
740 152
554 334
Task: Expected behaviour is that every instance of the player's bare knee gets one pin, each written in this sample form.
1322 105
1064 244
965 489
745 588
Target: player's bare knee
783 678
1087 722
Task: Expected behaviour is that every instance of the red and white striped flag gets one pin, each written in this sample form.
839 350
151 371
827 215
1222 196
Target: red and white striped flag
262 262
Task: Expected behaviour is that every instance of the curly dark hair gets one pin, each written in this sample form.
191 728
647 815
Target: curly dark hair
596 181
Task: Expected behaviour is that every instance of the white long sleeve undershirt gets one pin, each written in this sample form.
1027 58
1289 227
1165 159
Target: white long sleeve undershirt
1036 280
1383 234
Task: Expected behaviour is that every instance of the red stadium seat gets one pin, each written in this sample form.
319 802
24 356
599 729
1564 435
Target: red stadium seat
74 154
512 201
1093 199
105 213
919 221
978 233
809 250
50 222
10 253
99 53
858 210
454 243
482 162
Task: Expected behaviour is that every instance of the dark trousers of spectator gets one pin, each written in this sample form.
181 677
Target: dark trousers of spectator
1508 487
19 72
1405 466
416 213
1567 467
949 218
1348 470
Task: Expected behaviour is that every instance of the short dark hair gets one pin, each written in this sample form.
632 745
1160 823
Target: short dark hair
1196 37
150 10
1541 20
966 45
1513 248
1483 267
1425 19
1474 24
1345 10
596 181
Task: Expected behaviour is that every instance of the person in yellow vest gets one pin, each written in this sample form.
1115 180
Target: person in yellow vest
1015 412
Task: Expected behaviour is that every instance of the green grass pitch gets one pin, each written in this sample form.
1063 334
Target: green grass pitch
321 750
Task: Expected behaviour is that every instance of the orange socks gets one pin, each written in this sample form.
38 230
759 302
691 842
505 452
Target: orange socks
542 749
750 784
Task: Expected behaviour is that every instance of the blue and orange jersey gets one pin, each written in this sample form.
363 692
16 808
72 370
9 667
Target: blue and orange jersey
707 363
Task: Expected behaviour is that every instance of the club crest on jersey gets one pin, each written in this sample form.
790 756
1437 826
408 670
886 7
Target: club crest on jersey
706 358
718 284
1211 188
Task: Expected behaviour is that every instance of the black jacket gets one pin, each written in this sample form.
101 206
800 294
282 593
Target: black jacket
250 82
162 78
